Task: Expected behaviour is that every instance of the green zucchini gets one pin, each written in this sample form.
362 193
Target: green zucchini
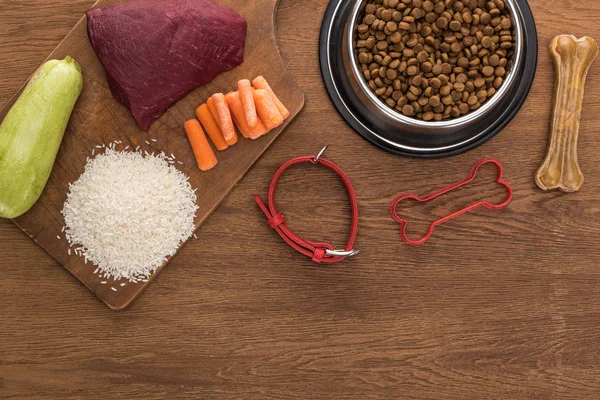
32 132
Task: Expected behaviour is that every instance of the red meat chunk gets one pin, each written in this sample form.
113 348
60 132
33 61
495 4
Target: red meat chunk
156 52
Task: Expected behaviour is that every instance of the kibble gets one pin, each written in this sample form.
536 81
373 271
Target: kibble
435 59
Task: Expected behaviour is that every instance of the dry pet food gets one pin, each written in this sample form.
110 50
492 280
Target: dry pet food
572 60
435 59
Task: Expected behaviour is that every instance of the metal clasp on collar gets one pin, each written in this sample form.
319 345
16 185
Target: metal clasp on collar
316 159
341 253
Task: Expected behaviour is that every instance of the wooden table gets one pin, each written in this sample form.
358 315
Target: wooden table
501 305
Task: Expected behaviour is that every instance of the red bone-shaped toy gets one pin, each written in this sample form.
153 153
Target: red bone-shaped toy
445 190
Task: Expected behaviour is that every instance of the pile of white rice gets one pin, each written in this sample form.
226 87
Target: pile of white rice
129 213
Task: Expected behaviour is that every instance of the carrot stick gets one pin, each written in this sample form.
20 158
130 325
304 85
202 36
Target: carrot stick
205 156
226 123
261 83
239 116
211 127
267 110
245 89
213 110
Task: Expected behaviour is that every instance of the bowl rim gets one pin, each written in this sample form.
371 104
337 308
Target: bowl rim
452 122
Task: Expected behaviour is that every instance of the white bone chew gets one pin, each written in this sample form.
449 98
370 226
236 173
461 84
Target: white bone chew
572 60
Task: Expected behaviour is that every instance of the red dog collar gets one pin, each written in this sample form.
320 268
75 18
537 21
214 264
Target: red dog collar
320 252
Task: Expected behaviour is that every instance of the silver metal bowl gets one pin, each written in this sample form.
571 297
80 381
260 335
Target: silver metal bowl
390 129
383 111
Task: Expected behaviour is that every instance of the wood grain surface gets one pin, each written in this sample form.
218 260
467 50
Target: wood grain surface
99 120
498 305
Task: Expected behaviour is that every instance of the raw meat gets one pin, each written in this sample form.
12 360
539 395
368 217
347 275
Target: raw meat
156 52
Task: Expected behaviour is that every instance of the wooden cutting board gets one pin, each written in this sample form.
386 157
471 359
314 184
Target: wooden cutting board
99 119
